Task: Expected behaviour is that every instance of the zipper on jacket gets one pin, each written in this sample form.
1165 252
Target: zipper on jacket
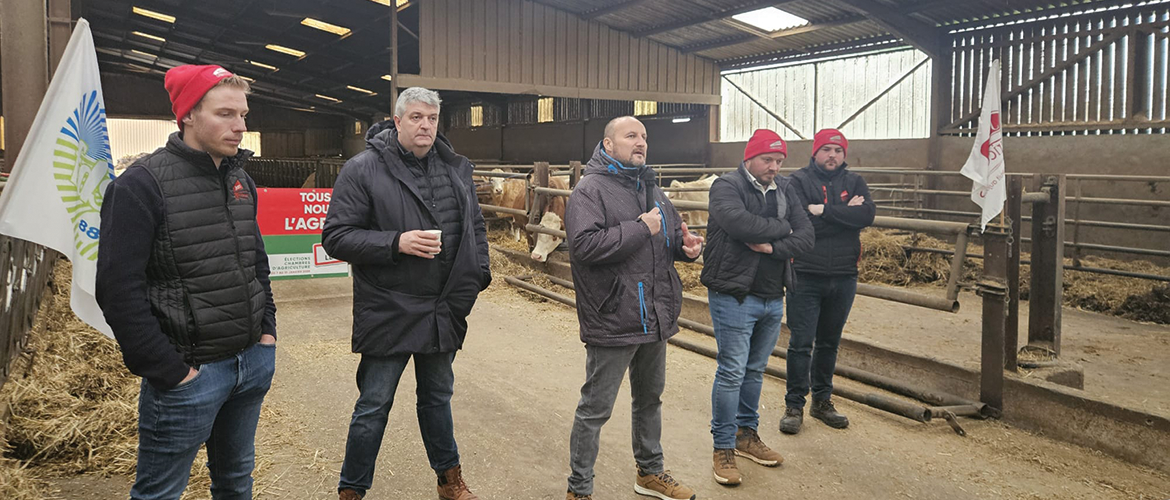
642 306
239 257
825 193
662 215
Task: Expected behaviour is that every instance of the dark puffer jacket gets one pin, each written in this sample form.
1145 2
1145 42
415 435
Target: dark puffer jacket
438 192
729 266
838 229
399 307
628 291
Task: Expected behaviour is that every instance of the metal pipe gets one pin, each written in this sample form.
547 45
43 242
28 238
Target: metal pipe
960 256
552 191
907 297
502 210
906 409
1097 270
1111 248
865 377
909 410
537 228
926 226
1090 223
540 291
1036 198
506 175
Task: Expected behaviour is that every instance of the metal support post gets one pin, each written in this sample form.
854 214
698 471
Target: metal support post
575 173
1011 334
536 209
1047 282
992 287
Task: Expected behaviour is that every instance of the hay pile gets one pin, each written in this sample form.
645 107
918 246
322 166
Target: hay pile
77 410
885 261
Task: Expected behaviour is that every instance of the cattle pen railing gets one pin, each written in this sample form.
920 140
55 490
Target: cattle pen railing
25 269
957 230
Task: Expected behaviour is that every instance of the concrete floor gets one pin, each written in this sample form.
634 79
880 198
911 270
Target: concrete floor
517 383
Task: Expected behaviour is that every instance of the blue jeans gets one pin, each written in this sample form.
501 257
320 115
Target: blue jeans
377 381
817 310
746 334
220 407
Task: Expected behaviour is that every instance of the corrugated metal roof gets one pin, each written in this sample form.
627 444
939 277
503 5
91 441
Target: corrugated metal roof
702 23
233 33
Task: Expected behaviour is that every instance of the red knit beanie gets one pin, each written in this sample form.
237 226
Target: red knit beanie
830 136
188 83
764 141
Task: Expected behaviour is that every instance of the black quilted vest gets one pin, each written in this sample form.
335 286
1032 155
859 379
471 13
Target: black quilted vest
201 274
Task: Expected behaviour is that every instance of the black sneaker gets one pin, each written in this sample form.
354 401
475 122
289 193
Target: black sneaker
790 423
827 413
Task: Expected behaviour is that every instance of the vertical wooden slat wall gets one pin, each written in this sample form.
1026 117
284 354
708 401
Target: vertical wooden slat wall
522 42
1111 87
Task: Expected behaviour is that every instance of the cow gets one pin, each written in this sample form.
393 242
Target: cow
692 217
553 218
511 193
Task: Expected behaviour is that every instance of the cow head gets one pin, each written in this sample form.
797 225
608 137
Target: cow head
546 243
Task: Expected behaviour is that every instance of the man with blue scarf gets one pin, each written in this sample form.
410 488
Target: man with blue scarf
623 238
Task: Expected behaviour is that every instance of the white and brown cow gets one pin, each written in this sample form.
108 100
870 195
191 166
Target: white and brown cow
693 217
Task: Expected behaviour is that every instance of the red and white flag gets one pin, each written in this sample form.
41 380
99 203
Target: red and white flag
985 165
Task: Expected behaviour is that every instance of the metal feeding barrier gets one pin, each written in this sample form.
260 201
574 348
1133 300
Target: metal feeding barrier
998 288
938 404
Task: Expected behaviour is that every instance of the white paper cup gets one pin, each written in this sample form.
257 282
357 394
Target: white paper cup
438 234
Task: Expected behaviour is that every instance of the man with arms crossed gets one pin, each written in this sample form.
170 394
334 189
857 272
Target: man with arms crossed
756 227
839 207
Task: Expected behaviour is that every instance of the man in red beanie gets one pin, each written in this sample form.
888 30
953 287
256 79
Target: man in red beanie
182 278
839 207
757 225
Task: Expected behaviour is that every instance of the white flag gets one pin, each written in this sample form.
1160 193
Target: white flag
54 194
985 165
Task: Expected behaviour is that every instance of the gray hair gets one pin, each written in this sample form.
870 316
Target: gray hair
413 95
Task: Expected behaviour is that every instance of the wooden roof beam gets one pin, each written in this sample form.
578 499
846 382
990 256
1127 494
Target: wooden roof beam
921 35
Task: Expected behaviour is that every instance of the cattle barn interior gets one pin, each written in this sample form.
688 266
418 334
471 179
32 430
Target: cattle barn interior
529 85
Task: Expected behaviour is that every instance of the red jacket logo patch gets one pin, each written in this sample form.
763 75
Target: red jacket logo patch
844 196
239 191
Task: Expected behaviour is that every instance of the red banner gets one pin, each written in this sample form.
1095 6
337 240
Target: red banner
292 211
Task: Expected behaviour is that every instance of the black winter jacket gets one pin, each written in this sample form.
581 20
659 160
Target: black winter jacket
628 291
729 266
397 307
838 230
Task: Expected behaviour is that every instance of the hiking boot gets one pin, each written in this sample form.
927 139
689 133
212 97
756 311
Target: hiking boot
748 445
790 423
827 413
573 496
725 470
661 485
452 487
348 494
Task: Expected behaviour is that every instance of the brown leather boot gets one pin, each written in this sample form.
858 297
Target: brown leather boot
348 494
452 487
